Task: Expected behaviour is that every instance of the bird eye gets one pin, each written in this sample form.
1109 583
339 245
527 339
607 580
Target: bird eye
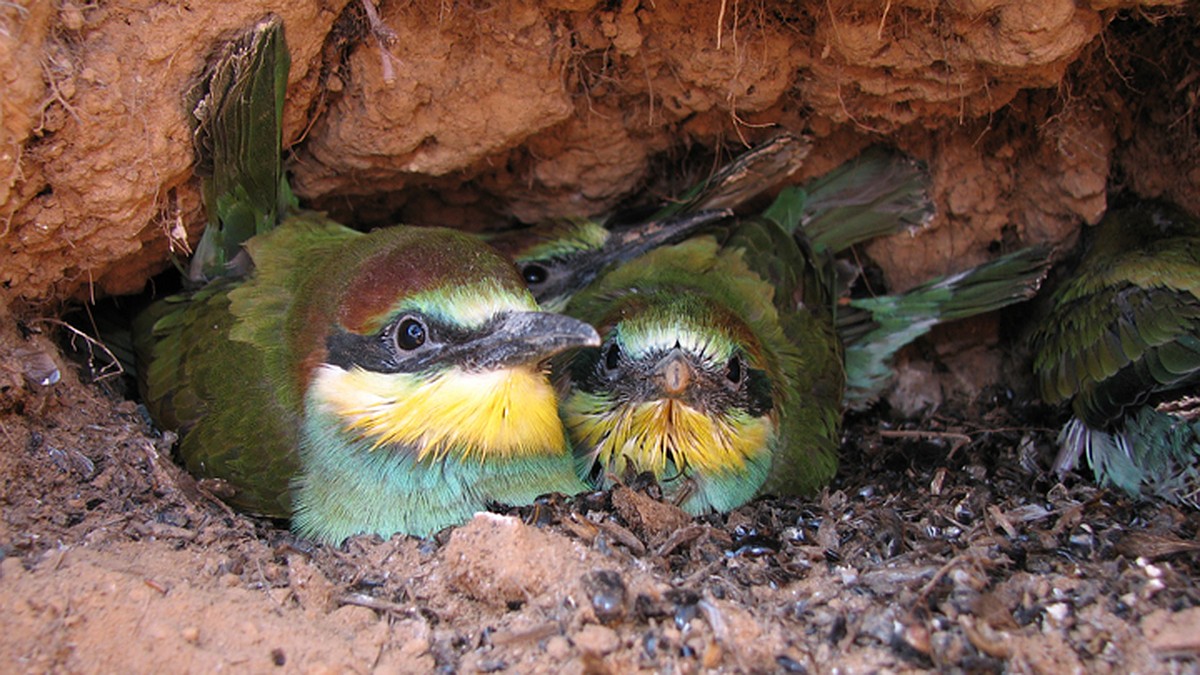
612 357
733 371
410 334
534 273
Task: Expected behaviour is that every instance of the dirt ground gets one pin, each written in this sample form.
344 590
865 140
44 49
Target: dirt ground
942 544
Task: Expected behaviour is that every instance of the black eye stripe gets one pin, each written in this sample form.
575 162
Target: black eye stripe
408 343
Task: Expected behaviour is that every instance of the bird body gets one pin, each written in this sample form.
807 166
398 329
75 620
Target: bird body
709 377
725 359
1122 336
385 382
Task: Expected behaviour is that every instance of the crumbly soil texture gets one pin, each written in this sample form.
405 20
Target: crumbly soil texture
942 544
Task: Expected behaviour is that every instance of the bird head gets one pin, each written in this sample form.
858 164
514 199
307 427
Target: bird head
559 258
679 388
423 340
1137 227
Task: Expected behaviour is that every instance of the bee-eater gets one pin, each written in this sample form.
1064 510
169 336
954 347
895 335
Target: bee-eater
561 257
1120 346
557 258
721 370
385 382
878 192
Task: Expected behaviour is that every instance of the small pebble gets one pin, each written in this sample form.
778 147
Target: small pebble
250 631
1058 612
415 647
595 639
558 648
355 616
11 569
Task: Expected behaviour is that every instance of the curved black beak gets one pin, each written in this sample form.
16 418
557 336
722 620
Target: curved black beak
526 337
626 243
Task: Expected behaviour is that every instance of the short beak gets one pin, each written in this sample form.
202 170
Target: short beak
528 337
673 373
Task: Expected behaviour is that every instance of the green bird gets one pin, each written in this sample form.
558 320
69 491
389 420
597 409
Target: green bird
726 359
386 382
720 372
1120 347
878 192
559 257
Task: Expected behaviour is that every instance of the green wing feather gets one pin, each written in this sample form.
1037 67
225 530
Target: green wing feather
875 329
875 194
880 192
1124 327
215 367
238 115
813 380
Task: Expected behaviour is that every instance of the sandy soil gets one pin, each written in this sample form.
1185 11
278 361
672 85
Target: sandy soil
942 543
475 115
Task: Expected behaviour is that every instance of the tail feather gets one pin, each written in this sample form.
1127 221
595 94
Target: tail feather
1109 455
879 192
238 113
874 329
1155 454
993 285
1164 448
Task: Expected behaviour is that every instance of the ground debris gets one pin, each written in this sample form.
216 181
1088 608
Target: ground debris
913 559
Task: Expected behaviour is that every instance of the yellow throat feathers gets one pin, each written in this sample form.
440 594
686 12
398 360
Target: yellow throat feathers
502 413
651 434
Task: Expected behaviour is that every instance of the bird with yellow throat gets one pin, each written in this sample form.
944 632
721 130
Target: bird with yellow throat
385 382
